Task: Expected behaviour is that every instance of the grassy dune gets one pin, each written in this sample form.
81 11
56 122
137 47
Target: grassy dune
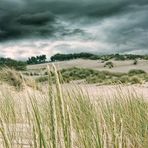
58 118
89 76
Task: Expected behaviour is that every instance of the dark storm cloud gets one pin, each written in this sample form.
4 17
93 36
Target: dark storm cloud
117 23
17 20
38 19
27 18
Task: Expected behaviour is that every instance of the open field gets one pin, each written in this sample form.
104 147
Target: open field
119 66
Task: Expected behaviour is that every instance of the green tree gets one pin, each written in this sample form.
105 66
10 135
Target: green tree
37 59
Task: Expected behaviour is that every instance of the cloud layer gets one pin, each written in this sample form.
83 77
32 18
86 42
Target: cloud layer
99 26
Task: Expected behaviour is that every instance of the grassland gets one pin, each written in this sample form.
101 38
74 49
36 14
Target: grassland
57 116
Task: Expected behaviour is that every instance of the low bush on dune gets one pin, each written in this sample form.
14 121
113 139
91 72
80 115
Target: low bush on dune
16 79
42 79
103 77
11 77
136 72
124 79
90 76
135 80
109 64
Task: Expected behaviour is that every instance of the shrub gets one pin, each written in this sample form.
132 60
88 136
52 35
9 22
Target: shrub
16 79
136 72
109 64
42 79
95 76
146 78
135 62
94 79
135 80
46 73
12 77
124 79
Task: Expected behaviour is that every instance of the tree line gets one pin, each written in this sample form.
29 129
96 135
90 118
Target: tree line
63 57
84 55
37 59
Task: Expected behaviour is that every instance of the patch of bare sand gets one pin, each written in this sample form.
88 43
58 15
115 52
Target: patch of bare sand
109 91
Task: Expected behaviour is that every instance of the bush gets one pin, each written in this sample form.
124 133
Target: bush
135 80
94 76
124 79
145 77
42 79
46 73
136 72
12 77
135 62
16 79
109 64
94 79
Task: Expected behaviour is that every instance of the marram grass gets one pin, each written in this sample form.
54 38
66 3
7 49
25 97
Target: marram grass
57 118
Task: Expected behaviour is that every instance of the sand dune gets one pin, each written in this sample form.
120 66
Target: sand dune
119 66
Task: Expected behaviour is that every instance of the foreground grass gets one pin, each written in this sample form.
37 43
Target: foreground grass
72 119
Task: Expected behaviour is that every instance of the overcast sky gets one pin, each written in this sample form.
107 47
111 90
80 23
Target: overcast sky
34 27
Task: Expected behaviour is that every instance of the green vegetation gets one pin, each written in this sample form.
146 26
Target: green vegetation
63 57
37 60
135 62
70 118
109 64
16 79
11 77
7 62
102 77
136 72
42 79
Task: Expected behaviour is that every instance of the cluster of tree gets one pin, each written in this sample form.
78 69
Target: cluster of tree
63 57
37 60
7 62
